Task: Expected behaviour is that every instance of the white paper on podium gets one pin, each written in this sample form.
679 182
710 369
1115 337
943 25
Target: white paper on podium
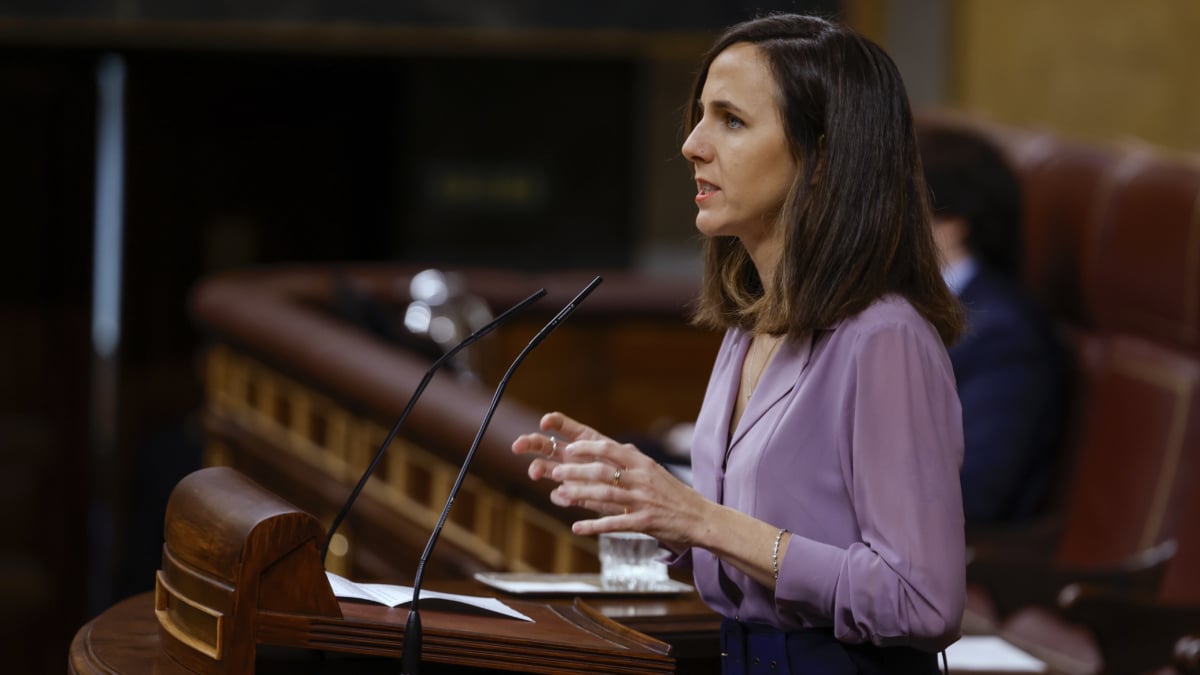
542 586
988 653
394 596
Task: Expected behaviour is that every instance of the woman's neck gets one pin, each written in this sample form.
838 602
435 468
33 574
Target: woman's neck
766 258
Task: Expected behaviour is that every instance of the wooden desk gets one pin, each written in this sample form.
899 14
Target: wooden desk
683 621
125 639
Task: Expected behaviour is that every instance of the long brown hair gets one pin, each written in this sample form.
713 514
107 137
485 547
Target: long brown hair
856 219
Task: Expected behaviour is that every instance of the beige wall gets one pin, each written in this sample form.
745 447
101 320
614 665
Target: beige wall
1106 70
1091 69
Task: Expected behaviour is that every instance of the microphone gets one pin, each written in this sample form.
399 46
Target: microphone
410 654
469 340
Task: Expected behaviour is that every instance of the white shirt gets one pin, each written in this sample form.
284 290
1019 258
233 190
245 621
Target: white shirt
958 274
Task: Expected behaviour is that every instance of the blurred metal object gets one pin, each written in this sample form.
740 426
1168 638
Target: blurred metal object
444 312
105 470
1187 654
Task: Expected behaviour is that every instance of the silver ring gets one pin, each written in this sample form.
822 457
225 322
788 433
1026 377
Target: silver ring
553 446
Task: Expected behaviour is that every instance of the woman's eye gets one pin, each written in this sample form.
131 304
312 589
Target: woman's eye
734 122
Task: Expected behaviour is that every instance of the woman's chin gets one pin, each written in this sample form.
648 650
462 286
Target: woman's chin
713 227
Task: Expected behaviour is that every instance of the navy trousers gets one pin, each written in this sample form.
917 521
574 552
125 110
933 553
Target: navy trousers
750 649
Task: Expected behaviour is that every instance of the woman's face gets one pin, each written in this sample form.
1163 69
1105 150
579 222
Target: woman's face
738 150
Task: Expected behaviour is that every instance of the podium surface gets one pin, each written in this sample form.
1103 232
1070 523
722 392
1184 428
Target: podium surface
241 573
125 639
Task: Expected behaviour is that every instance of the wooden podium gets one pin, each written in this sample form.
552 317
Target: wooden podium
241 568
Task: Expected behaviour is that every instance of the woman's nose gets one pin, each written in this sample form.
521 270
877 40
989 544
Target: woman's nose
695 149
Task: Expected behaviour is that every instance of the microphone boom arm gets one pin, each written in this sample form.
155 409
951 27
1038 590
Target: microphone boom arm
411 648
469 340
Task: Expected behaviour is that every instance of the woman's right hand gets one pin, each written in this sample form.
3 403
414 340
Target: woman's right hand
558 431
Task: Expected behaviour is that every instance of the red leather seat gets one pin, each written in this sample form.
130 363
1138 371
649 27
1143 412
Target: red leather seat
1140 434
1144 276
1064 196
1131 502
1099 630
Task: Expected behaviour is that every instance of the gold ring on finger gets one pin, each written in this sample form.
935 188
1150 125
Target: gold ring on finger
617 478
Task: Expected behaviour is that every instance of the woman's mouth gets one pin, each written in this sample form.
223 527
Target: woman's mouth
704 190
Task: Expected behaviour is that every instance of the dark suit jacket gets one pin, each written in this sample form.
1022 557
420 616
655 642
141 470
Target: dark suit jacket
1011 379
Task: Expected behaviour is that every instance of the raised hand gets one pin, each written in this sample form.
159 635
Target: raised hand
629 490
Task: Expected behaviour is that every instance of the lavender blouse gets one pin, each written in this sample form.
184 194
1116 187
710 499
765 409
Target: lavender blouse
853 442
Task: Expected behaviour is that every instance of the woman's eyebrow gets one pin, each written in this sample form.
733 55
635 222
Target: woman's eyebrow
722 104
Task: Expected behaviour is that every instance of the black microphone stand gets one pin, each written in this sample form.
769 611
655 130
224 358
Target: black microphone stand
410 655
469 340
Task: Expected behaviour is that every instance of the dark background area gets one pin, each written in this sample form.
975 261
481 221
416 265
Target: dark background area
656 15
418 131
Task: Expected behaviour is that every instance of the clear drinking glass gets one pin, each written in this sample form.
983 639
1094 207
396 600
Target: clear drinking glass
629 561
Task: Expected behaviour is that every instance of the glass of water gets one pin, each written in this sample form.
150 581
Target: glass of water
629 561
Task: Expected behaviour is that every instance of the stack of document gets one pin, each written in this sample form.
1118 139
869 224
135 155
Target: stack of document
990 654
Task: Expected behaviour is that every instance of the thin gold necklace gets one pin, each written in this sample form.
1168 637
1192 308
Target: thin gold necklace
748 390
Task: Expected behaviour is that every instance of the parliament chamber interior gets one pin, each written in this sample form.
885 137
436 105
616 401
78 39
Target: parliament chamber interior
240 237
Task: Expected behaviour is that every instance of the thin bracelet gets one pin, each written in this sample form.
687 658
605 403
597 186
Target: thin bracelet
775 554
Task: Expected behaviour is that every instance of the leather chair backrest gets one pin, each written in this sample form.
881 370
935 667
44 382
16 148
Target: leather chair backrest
1181 580
1063 197
1144 275
1139 440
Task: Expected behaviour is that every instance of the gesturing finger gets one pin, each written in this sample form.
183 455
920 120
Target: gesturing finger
542 468
559 498
591 473
570 428
603 488
621 455
542 444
